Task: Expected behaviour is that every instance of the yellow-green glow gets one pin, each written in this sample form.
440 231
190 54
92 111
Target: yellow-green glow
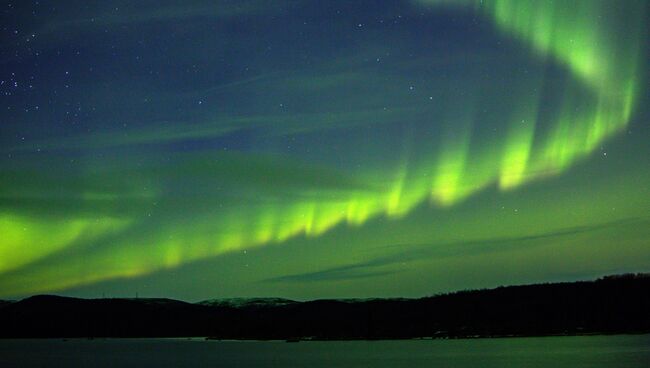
517 154
25 240
597 105
579 35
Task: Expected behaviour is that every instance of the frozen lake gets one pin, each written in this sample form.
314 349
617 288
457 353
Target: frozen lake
556 352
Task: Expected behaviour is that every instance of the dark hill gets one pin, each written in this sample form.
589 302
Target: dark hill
615 304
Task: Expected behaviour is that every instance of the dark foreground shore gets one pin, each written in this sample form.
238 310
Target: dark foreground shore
611 305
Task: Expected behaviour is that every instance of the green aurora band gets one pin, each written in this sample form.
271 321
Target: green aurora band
598 42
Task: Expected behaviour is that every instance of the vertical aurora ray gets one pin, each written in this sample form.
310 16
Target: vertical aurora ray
443 162
449 184
600 42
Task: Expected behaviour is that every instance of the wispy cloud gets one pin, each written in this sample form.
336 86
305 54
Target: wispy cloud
169 132
417 252
332 274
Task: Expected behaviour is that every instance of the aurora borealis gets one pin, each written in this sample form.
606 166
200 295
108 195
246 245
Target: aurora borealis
311 149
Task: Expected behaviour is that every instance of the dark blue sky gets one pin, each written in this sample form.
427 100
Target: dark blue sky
313 149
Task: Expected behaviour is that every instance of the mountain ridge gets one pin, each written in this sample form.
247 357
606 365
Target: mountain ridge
612 304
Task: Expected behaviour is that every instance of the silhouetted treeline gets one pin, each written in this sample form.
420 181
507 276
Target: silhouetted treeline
616 304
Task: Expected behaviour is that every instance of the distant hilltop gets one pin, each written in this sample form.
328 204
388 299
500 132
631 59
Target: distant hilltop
638 275
247 302
611 304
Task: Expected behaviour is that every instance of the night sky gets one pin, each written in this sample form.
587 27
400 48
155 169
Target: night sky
320 149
